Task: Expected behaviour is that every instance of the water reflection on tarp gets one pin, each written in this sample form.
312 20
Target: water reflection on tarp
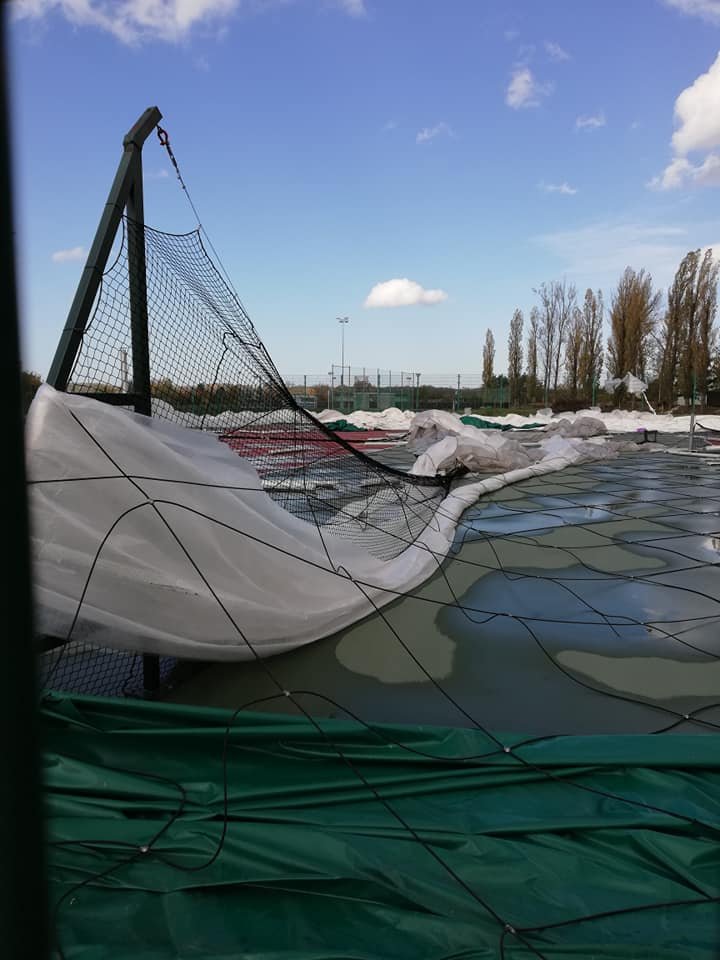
584 602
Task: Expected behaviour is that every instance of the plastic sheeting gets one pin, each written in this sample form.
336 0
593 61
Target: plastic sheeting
580 426
390 419
313 865
631 383
148 536
616 421
446 442
162 539
477 451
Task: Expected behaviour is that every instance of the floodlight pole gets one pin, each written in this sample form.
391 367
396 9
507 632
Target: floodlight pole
342 321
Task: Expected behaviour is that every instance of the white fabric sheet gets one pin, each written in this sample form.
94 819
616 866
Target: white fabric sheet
156 538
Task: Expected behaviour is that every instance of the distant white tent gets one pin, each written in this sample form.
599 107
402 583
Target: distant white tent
632 384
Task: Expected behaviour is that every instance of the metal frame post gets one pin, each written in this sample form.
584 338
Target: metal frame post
137 279
126 192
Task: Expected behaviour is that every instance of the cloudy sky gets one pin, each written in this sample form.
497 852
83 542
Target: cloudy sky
415 165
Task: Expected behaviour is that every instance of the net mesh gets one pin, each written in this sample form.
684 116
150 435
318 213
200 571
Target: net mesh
210 371
604 548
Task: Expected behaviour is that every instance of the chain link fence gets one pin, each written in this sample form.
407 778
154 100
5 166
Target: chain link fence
347 388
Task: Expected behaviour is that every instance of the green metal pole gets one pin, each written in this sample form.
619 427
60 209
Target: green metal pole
692 415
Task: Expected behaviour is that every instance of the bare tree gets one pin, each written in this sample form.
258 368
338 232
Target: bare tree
573 351
591 356
547 335
633 315
488 359
532 353
515 355
565 298
557 302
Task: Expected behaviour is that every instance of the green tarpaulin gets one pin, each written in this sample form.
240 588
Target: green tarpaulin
171 838
342 426
481 424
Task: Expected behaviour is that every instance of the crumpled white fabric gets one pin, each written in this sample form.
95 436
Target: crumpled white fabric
578 427
429 426
391 418
482 451
124 504
631 383
155 538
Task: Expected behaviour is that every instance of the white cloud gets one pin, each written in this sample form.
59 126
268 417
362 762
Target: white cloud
556 52
68 256
161 174
429 133
132 21
598 253
681 172
390 125
563 188
697 110
697 114
353 8
524 90
706 9
590 121
511 35
402 293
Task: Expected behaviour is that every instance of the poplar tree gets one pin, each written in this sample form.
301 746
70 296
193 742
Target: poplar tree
488 359
573 351
591 356
515 355
633 314
532 354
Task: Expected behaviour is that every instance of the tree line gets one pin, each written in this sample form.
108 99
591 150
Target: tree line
670 344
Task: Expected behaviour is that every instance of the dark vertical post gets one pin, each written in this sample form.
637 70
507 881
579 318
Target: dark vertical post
23 879
137 278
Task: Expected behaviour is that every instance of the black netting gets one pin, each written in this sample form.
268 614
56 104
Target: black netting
210 371
566 601
82 667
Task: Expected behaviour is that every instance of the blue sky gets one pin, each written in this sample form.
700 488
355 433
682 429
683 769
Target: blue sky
473 147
